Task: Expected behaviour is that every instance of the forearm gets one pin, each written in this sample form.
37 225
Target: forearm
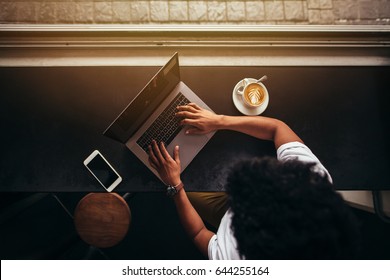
169 170
260 127
192 222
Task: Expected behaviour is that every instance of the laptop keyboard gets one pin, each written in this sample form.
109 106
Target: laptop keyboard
165 127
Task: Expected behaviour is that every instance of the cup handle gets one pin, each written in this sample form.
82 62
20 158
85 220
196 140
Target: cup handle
240 90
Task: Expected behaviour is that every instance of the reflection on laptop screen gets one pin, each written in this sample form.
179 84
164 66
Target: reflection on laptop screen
145 103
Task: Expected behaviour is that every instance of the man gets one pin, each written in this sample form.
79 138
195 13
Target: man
282 208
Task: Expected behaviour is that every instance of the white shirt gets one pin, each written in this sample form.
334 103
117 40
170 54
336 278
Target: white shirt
223 245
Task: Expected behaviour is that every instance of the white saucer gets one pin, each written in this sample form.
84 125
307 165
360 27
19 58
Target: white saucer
237 100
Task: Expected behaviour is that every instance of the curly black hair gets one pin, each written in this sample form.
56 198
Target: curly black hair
284 210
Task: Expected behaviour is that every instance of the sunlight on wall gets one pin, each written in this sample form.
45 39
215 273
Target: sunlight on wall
304 12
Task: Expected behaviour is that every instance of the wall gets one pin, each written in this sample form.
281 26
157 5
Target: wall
362 12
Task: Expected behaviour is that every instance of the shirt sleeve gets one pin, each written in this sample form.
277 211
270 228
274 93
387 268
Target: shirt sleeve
223 245
299 151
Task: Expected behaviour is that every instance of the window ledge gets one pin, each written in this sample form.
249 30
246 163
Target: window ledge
198 45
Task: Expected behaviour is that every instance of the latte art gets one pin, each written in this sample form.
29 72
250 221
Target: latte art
251 96
254 94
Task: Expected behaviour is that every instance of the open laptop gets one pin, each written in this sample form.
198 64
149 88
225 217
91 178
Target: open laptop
151 115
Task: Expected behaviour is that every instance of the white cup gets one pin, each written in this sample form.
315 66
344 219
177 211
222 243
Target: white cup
253 94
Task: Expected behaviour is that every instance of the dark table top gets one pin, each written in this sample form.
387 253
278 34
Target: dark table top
52 118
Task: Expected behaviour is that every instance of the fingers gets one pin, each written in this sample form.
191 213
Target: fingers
158 154
188 122
176 154
185 114
190 107
152 164
164 152
188 113
152 158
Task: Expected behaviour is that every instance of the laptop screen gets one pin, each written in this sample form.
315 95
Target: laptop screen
146 102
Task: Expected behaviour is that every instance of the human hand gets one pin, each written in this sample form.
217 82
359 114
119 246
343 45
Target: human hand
202 121
167 167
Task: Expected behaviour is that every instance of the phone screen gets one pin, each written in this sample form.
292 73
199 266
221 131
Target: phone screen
102 171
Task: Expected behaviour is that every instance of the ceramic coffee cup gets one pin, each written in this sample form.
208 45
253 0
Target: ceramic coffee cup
253 94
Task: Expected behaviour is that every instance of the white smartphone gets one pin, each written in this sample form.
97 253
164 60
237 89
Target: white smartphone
102 170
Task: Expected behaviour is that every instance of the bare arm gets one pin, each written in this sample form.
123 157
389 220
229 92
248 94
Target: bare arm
203 121
261 127
169 170
192 222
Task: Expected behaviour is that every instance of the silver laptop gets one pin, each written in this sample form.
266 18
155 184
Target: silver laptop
151 116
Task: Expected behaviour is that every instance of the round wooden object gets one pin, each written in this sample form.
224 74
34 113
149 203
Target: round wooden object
102 219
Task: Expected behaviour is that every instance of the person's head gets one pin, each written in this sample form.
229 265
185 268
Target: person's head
283 210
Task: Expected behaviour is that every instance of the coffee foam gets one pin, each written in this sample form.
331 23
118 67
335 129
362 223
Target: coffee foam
254 94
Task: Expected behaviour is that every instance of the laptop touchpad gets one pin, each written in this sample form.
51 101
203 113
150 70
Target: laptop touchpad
189 145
